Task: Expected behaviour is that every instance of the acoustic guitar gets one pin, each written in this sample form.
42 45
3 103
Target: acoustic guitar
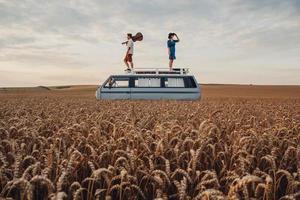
138 37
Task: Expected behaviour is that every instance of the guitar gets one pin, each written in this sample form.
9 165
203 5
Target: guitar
138 37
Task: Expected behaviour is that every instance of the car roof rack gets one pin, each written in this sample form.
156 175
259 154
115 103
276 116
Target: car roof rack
159 71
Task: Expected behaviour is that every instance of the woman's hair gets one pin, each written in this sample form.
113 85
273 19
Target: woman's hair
170 35
130 35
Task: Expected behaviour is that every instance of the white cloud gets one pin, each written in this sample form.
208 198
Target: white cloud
222 41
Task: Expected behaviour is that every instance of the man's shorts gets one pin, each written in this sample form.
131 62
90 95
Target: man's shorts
172 56
128 58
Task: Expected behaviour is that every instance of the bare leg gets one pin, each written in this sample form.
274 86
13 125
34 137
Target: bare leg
125 61
131 63
170 64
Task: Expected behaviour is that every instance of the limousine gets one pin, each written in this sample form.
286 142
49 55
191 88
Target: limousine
150 84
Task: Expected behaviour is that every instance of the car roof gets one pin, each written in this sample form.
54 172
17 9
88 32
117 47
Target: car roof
152 75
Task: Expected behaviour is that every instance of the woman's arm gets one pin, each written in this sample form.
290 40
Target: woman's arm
177 38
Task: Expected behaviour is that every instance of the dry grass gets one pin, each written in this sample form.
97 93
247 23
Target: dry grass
74 147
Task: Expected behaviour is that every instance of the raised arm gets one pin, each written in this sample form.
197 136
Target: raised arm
177 38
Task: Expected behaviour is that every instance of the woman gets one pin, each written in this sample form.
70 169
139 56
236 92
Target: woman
172 39
129 52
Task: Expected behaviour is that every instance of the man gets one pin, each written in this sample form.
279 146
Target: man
171 48
129 52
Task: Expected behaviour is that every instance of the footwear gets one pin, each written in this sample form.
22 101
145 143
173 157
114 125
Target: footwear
127 70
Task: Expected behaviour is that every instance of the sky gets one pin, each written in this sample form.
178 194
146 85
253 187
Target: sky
63 42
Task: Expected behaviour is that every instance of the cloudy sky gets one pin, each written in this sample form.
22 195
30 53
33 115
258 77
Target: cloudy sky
59 42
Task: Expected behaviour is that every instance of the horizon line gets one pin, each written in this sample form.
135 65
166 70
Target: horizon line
72 85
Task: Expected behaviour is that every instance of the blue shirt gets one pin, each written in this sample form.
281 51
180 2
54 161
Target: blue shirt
171 45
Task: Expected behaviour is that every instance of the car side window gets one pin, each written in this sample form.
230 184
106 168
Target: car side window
189 82
117 82
147 82
174 82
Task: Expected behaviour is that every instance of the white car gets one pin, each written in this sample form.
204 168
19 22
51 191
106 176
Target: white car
150 84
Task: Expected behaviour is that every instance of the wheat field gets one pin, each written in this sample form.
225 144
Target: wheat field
62 145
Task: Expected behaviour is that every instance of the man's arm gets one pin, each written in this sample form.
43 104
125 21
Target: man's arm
128 50
129 47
